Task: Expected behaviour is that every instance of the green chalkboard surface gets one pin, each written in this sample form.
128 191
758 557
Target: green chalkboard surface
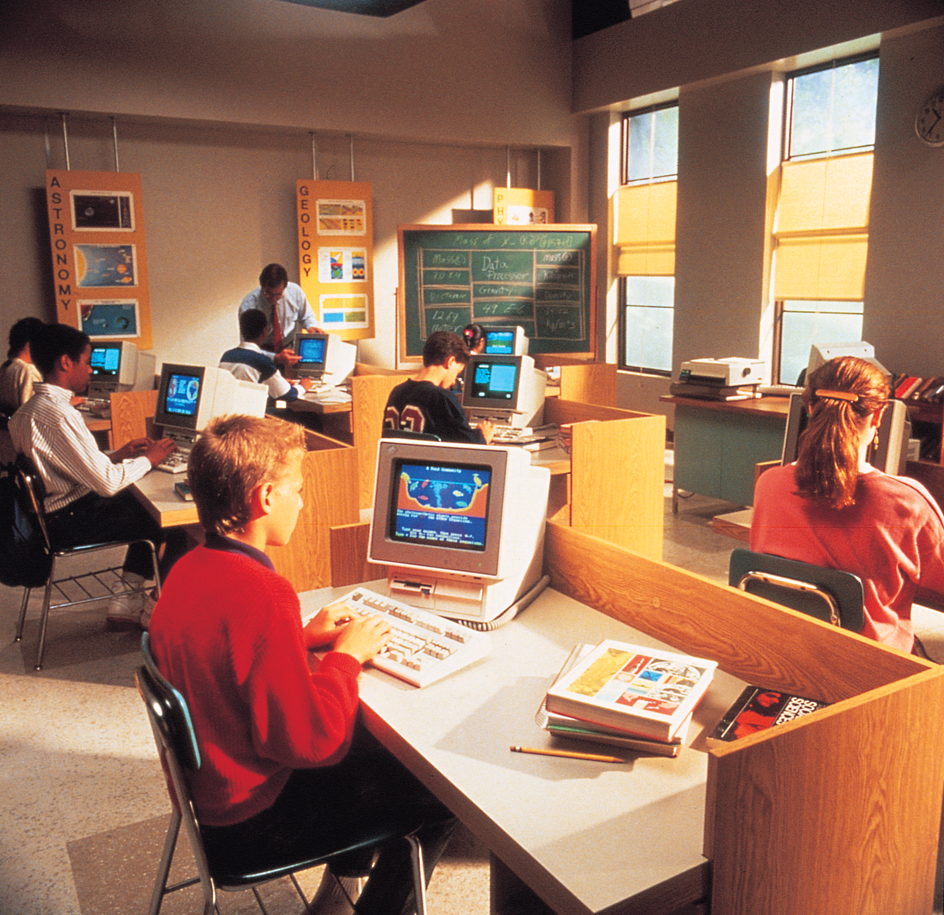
541 277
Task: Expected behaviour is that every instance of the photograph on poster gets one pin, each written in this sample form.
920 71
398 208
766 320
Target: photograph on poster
102 211
527 216
342 265
105 265
113 318
342 312
342 217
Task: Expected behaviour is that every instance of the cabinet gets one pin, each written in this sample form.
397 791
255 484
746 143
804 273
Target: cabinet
719 443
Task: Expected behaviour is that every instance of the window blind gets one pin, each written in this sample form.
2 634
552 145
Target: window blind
822 228
645 229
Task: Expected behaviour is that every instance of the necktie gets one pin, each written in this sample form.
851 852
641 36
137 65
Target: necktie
276 329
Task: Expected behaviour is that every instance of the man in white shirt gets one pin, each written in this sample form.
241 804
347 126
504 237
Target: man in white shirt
87 494
286 306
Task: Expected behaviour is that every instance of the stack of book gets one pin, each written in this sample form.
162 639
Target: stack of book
911 387
627 696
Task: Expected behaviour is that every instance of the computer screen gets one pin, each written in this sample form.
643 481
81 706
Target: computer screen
312 352
890 455
455 522
105 360
507 341
189 396
114 367
492 381
179 396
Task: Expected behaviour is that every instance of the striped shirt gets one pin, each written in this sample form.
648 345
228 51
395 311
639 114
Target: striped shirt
53 434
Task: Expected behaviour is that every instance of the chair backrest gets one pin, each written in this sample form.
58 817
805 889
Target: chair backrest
34 493
177 747
831 595
409 434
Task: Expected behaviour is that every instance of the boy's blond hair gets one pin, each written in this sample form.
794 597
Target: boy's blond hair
233 456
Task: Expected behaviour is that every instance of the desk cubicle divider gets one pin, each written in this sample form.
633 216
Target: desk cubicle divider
612 486
330 492
838 811
132 416
370 388
582 380
615 487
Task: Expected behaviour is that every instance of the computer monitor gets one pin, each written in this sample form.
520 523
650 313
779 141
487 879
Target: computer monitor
890 455
461 527
189 396
505 341
823 352
114 368
313 354
503 389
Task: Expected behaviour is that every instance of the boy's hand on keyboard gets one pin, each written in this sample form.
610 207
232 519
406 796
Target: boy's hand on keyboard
324 627
363 637
157 451
487 428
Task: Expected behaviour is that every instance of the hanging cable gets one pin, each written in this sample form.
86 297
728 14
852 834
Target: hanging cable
65 138
114 137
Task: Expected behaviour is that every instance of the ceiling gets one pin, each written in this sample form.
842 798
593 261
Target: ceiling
587 16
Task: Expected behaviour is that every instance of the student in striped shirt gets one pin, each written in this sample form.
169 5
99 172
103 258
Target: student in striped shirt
88 499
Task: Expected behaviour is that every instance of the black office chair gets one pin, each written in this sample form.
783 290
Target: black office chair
830 595
409 434
180 753
78 588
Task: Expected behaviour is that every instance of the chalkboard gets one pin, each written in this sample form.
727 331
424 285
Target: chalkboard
541 277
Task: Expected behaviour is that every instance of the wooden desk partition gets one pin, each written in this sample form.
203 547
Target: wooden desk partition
330 495
838 811
132 415
369 393
615 486
590 382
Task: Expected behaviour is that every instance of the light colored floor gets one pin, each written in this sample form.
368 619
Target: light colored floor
83 805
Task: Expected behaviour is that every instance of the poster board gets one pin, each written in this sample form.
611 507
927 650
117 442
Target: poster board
523 206
335 254
99 258
541 277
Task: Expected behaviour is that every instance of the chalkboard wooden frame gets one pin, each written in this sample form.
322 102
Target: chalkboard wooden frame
542 277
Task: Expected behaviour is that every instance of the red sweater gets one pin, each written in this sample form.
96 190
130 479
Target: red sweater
892 538
227 633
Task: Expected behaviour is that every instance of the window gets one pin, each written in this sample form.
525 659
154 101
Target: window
822 217
645 238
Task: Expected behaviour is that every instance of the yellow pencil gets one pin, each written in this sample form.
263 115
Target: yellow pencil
567 754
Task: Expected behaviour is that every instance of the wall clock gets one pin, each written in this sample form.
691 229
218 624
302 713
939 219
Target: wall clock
929 121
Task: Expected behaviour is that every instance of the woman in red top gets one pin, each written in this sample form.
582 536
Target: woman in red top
832 508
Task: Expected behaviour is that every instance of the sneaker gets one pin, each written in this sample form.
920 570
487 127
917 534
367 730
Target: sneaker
144 617
335 895
124 609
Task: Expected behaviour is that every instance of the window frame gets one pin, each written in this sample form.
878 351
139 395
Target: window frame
621 323
786 155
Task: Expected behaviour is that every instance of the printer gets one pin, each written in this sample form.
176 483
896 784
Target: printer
723 373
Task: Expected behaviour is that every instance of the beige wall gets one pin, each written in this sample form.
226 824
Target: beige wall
214 104
725 179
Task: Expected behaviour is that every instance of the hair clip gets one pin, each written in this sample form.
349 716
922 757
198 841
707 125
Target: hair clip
838 395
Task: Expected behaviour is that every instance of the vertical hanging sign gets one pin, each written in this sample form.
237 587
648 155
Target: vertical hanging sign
335 254
521 206
99 261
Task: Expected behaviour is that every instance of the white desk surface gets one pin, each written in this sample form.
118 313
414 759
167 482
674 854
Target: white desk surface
583 835
155 491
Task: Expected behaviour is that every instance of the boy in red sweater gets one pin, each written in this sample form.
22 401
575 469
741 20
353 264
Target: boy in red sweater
284 755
